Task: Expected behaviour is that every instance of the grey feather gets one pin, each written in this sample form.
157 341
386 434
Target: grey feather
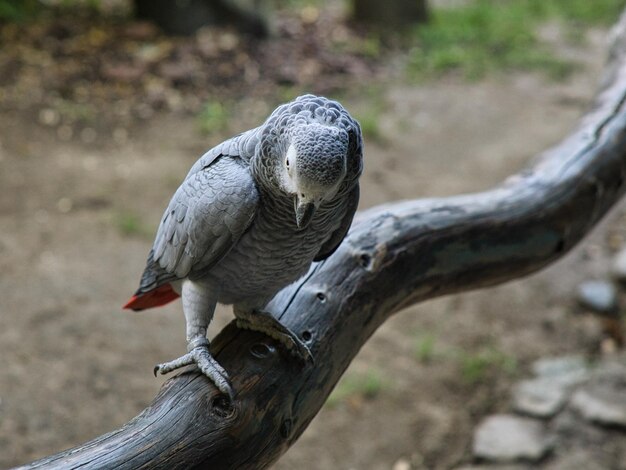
331 245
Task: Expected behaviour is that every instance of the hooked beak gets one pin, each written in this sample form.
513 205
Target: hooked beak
304 211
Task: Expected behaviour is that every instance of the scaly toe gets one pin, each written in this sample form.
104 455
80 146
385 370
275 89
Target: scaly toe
167 367
213 370
200 356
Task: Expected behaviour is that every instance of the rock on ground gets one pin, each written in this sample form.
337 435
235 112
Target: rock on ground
541 397
507 438
601 404
599 296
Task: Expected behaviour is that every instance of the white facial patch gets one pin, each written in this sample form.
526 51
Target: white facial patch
288 173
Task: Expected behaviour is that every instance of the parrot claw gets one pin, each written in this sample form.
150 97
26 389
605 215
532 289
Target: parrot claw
199 354
264 322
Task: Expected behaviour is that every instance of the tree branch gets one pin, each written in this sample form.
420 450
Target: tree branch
395 255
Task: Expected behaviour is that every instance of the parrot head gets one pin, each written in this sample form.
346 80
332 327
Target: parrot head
313 167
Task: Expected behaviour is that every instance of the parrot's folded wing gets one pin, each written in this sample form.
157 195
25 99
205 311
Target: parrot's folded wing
206 216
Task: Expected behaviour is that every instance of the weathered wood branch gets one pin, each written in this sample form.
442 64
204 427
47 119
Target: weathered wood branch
394 256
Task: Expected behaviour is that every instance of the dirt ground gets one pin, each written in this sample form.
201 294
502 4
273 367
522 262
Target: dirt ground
74 365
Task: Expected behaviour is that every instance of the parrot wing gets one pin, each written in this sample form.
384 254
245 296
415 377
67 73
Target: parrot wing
207 215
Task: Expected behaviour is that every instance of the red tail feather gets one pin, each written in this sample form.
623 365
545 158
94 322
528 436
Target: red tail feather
155 298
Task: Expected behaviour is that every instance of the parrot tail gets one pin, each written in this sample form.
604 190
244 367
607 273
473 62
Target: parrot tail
155 298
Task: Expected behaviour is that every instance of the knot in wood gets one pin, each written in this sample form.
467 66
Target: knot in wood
261 350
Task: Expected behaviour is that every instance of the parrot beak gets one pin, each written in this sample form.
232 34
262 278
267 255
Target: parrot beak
304 211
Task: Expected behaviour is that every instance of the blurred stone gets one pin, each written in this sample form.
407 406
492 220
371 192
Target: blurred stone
567 370
150 53
227 41
608 346
541 397
601 404
599 296
122 72
401 464
64 205
619 266
49 117
309 14
173 100
577 459
507 438
611 370
207 44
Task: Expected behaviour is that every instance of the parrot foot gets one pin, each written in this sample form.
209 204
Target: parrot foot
264 322
199 354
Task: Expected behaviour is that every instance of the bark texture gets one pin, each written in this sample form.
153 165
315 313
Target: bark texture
395 255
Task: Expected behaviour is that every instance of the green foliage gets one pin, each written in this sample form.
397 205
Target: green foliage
88 3
485 35
367 386
369 124
130 224
17 11
369 115
425 348
76 112
294 4
586 12
476 367
213 117
369 47
288 93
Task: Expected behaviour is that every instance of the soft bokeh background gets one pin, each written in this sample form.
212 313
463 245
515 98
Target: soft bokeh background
102 114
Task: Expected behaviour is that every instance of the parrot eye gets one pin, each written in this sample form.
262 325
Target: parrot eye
287 162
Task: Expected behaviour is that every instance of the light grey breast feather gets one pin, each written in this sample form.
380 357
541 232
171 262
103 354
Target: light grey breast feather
209 212
338 235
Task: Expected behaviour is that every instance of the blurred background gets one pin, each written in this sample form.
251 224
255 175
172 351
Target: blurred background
104 106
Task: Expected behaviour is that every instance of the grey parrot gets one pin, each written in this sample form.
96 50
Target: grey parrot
250 217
